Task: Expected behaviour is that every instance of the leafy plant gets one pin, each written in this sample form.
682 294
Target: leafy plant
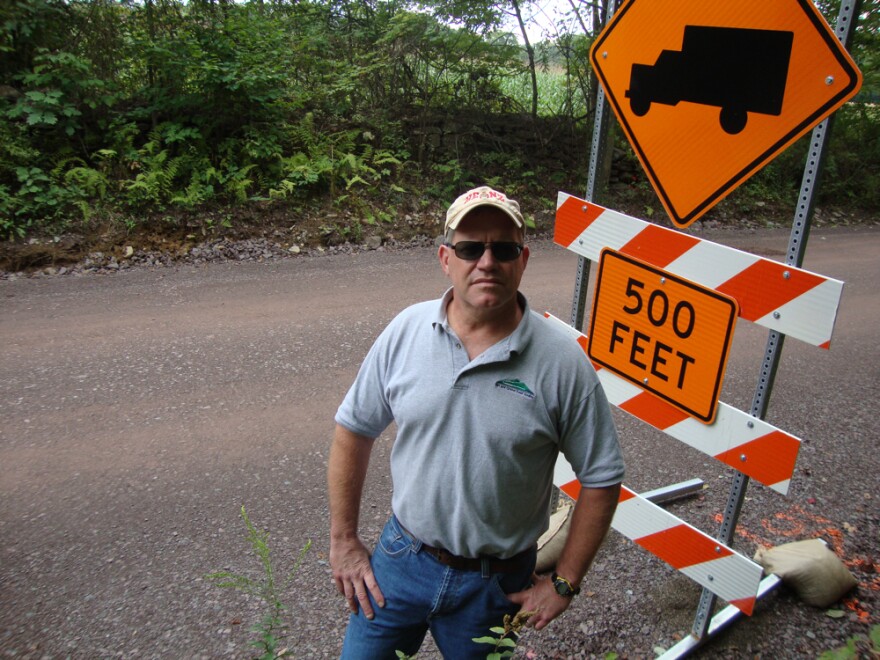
87 181
40 195
504 641
152 185
453 178
271 628
57 89
9 227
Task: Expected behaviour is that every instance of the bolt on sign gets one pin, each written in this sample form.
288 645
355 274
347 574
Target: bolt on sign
662 332
709 92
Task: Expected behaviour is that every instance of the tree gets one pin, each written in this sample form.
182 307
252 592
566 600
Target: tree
530 51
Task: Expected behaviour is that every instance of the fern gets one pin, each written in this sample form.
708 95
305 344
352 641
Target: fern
153 185
194 194
286 189
302 172
352 181
92 182
84 208
385 157
235 182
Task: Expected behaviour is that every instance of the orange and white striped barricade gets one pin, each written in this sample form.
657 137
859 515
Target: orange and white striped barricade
711 564
745 443
790 300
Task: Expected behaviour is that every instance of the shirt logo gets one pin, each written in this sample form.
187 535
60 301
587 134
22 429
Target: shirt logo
516 386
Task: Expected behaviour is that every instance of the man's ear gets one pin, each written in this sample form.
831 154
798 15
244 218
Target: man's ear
443 257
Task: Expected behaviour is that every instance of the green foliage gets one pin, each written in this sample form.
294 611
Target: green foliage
58 90
556 94
174 170
327 161
38 193
451 177
851 175
86 182
271 628
27 26
153 183
856 647
123 107
853 168
504 641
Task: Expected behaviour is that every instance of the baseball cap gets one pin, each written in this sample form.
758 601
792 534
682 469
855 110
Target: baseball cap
482 196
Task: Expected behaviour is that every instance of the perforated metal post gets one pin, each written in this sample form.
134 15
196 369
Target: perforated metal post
800 231
601 128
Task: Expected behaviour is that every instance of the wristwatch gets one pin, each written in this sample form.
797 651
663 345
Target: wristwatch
563 587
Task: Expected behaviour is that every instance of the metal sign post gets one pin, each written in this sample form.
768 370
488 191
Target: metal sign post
601 129
846 22
781 297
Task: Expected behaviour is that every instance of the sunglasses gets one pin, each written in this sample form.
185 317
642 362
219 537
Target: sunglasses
473 250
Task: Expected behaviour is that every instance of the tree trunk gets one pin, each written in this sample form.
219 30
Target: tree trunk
531 53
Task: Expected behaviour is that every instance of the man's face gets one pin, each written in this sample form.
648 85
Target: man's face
485 284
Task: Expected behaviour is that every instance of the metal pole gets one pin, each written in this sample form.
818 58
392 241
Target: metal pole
800 231
597 155
601 126
720 622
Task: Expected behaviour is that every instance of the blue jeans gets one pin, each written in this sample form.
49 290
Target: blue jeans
422 594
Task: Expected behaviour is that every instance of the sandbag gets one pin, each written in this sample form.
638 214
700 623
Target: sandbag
810 568
552 541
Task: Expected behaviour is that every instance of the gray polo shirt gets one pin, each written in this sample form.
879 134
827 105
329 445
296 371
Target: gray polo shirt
477 440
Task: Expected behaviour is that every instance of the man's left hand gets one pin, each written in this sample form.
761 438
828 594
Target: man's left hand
541 599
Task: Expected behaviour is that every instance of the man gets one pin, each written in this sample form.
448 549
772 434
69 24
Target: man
485 394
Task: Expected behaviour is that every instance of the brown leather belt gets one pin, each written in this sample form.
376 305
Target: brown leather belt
495 565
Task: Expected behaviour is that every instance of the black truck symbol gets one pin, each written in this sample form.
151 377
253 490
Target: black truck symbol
739 70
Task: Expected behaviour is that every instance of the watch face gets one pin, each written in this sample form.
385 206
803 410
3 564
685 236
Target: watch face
562 587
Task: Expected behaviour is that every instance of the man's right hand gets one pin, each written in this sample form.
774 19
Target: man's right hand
350 562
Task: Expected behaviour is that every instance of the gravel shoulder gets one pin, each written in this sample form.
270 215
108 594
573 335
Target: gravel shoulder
144 405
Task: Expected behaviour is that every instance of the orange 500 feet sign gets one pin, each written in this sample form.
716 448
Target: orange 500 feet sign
709 92
666 334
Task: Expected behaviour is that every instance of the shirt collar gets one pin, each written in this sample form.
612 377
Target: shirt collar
516 341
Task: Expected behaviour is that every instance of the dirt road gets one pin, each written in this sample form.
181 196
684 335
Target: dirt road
140 411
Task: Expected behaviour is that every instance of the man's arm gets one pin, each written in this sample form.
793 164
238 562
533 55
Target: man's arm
349 558
590 521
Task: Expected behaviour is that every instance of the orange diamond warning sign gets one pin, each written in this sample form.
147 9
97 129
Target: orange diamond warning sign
709 92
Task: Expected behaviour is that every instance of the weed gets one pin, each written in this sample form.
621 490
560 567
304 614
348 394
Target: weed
854 647
504 642
271 628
